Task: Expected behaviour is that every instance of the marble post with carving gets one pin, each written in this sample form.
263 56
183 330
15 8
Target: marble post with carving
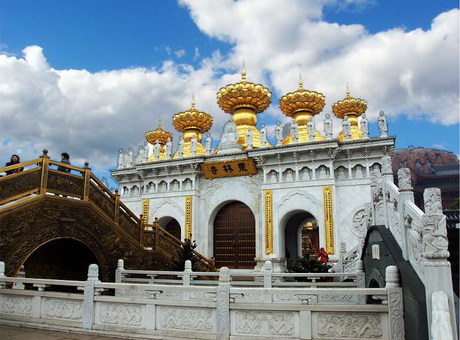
382 123
279 134
346 128
249 138
294 129
328 126
223 305
193 143
263 136
364 126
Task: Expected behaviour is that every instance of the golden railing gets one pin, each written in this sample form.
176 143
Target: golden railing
79 184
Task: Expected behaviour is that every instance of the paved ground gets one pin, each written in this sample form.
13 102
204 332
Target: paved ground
24 333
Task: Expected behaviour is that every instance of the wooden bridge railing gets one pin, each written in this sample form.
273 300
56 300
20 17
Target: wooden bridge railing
39 178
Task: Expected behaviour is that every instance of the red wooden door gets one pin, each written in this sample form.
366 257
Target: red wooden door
234 237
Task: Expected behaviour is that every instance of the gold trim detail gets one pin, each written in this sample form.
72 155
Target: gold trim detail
188 217
328 222
232 168
268 222
145 210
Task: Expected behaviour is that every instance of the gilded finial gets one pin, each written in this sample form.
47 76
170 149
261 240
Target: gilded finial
300 81
159 123
243 74
193 101
348 91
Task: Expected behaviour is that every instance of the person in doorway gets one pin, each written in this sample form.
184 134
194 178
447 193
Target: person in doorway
323 255
65 159
14 160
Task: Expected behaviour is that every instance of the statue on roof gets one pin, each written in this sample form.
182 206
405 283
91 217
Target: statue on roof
383 127
328 126
121 159
156 150
168 148
249 138
208 144
180 148
364 126
311 129
346 128
229 139
140 154
193 143
294 132
279 133
263 136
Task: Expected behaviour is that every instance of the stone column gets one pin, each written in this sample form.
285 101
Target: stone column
88 297
395 304
405 195
223 305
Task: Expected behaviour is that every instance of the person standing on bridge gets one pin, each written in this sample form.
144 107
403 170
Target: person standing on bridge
14 160
65 159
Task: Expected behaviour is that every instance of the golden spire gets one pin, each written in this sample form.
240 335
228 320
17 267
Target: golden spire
302 105
244 100
192 123
351 108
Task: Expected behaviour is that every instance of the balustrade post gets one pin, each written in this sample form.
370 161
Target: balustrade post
187 278
87 176
395 304
88 297
2 274
223 305
119 271
44 173
267 269
405 195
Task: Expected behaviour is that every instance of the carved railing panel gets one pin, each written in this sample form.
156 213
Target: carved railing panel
102 200
65 184
126 223
15 186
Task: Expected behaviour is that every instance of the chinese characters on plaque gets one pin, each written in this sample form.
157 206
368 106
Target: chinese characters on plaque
230 168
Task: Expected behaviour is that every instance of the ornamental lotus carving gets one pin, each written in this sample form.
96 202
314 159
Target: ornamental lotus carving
349 106
192 119
243 95
158 135
302 101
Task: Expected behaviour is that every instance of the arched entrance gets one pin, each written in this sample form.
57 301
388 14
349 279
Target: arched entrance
64 258
173 227
301 235
234 236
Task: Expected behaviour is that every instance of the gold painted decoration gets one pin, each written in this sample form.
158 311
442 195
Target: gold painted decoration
302 101
231 168
268 222
145 210
188 217
159 135
192 119
328 221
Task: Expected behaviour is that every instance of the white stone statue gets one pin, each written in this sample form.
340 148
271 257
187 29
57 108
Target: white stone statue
263 136
193 143
279 133
434 237
140 154
121 159
364 126
146 151
341 173
180 148
311 129
346 128
156 150
168 148
294 130
306 174
249 138
229 139
208 144
383 127
129 159
359 172
328 126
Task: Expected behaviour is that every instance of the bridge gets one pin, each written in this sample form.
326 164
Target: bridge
44 211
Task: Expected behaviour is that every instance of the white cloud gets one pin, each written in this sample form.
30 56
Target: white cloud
92 115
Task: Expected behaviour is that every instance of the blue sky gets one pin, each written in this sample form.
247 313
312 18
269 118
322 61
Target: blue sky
92 76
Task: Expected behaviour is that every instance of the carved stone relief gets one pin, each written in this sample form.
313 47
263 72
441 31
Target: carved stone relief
16 305
265 323
192 319
120 314
62 309
356 325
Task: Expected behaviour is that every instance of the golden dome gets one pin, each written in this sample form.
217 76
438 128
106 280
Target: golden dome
349 106
192 119
158 135
302 101
243 95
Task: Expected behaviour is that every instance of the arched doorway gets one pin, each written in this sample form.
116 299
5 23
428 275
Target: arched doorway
64 259
301 235
173 227
234 236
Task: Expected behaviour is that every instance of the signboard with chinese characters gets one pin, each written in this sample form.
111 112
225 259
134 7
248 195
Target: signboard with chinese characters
230 168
